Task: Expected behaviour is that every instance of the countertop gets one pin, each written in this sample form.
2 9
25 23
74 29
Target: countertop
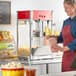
44 55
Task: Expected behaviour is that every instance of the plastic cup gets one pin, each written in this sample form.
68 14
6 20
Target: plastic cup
30 72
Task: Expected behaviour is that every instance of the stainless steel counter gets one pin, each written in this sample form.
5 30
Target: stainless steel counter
46 59
43 55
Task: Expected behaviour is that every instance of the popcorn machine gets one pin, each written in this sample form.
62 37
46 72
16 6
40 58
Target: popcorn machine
37 31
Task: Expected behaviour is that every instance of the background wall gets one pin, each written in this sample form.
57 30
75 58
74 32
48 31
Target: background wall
55 5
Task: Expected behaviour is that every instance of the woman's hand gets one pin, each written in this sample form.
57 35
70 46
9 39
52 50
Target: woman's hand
65 48
56 48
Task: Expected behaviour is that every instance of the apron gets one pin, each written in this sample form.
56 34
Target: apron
68 56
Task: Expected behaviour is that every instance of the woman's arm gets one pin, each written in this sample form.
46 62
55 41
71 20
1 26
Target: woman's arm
72 45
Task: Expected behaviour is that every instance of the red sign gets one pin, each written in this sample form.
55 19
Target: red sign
23 14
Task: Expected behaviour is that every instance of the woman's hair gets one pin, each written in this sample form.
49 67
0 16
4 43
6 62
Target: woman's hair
74 1
69 2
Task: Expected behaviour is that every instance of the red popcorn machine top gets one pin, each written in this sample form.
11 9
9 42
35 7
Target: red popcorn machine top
23 14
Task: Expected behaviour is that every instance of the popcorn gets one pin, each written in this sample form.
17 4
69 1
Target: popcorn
12 65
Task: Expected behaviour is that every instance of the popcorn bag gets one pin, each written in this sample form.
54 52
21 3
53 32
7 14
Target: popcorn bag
12 69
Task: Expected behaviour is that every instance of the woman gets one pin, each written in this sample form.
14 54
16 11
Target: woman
68 37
